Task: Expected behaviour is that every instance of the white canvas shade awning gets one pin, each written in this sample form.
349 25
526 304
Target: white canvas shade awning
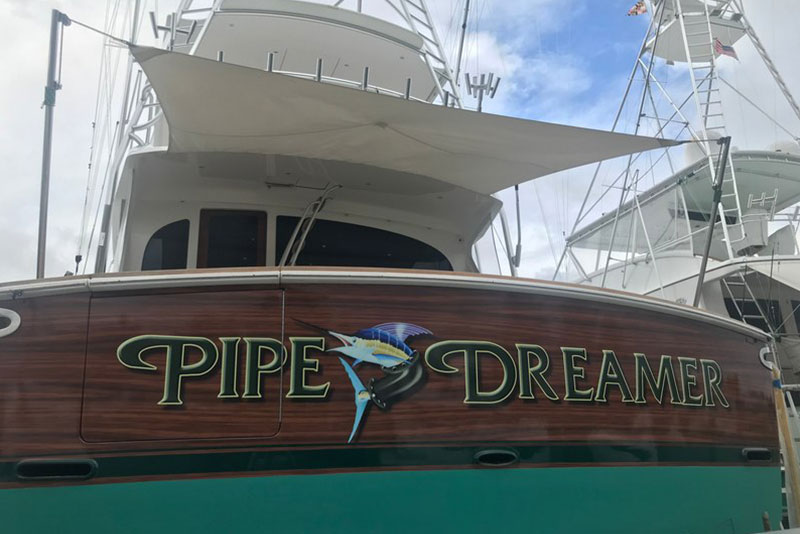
212 106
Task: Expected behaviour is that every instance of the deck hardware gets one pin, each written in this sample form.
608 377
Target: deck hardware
408 88
762 356
480 87
270 61
13 320
756 454
67 469
220 55
318 75
719 177
365 83
496 457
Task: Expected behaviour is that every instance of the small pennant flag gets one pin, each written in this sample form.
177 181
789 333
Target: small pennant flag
724 50
638 9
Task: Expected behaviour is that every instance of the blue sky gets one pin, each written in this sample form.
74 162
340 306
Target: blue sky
560 61
564 60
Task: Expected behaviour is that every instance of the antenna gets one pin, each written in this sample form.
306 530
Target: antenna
486 85
157 28
461 42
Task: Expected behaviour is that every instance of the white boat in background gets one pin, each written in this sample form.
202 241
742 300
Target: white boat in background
654 239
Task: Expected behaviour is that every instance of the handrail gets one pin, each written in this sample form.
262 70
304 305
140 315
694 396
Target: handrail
294 246
13 319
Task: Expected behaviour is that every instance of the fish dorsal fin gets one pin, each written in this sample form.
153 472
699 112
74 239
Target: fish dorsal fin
402 330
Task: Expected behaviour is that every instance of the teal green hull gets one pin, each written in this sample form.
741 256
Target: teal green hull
542 500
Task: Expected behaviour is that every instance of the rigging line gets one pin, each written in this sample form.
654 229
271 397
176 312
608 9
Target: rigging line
496 252
791 314
101 32
92 146
796 137
97 210
583 212
617 179
544 219
108 96
636 67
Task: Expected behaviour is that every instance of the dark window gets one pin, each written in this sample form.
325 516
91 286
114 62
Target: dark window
751 314
796 313
332 243
232 238
167 248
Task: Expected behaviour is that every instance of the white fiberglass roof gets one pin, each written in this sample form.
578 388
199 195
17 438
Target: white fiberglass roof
212 106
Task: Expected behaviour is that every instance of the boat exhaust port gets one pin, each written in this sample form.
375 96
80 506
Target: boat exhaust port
756 454
496 457
72 469
9 322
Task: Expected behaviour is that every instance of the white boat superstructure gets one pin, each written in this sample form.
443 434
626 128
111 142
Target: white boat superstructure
654 240
282 132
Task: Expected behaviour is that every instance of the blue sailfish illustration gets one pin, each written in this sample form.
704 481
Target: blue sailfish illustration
362 397
384 345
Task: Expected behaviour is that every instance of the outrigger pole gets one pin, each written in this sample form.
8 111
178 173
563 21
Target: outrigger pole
57 20
725 142
461 43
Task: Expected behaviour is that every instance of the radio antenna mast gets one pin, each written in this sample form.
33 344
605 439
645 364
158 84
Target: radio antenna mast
461 43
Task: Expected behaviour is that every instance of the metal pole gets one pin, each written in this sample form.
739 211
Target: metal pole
47 143
461 42
720 175
507 239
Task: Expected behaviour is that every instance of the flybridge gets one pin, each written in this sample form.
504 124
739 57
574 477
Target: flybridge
338 43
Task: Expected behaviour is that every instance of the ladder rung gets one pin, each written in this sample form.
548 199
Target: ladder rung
423 22
431 41
752 316
714 115
409 2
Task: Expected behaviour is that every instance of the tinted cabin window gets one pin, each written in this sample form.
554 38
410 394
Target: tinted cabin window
333 243
167 248
232 238
752 315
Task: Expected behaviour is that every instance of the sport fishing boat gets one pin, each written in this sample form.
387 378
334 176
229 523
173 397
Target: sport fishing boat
720 231
287 323
655 241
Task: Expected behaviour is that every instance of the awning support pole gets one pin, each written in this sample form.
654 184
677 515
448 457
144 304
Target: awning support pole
56 20
725 142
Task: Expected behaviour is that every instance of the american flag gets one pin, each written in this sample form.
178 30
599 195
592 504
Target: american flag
724 50
638 9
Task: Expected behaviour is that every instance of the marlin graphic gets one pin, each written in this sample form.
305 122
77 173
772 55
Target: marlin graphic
362 397
384 345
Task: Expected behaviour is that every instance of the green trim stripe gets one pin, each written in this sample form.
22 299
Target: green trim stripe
563 500
389 457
